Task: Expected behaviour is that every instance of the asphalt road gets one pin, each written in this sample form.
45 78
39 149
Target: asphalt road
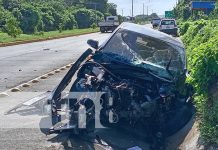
24 62
20 63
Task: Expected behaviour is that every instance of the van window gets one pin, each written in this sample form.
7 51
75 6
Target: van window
167 22
111 19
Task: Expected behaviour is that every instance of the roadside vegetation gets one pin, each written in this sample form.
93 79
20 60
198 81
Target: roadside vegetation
6 39
21 18
199 33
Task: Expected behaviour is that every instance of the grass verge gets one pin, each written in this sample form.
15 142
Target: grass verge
6 40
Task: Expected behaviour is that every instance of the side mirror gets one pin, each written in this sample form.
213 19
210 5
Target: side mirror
93 44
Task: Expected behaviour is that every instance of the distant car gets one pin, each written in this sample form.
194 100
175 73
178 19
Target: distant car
169 26
155 22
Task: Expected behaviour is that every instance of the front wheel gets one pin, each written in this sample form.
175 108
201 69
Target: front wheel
113 29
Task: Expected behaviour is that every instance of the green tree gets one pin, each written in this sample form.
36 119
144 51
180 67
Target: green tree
30 19
12 27
4 14
85 18
70 21
49 15
186 13
72 2
48 22
214 14
112 9
100 5
10 4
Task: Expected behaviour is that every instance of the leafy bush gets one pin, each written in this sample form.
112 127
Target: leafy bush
203 61
201 42
184 27
12 27
4 15
214 14
193 31
94 26
209 124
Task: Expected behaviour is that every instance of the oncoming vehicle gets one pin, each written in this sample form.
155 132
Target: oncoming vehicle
140 74
169 26
155 22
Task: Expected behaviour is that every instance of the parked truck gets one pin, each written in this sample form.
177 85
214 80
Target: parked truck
110 24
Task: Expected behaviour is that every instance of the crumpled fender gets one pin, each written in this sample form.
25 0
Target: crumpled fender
67 78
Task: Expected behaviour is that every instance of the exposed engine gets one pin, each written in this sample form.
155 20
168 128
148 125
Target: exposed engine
126 98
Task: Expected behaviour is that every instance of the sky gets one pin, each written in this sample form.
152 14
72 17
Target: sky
156 6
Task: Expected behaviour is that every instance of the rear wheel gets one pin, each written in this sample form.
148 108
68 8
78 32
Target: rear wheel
102 29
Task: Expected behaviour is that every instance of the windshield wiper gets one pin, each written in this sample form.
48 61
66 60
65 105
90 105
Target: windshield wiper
161 78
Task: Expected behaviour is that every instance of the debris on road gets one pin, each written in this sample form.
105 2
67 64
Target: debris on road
38 101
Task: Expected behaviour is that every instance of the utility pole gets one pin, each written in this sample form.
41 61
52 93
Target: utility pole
143 11
122 20
147 11
147 7
96 13
132 10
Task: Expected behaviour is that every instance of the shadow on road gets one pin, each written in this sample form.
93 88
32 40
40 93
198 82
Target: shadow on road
116 139
174 141
108 138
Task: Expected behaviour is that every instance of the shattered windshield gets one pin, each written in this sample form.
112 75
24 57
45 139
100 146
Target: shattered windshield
138 49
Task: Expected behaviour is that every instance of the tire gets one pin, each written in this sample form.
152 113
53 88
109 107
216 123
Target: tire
102 30
113 29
